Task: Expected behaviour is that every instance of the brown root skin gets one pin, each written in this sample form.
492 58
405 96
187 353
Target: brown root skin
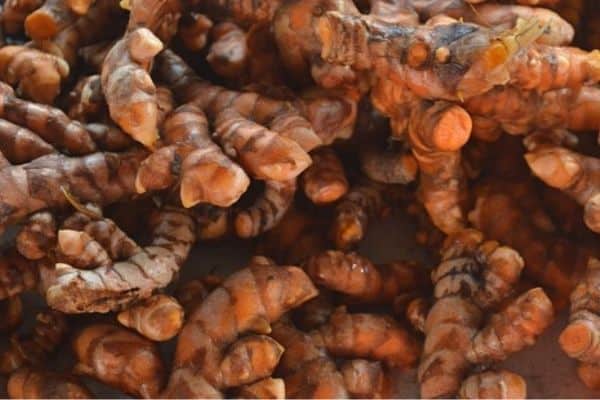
249 300
501 384
307 369
239 11
240 118
228 53
437 132
86 100
36 75
369 336
12 310
267 210
158 318
17 274
193 30
127 272
119 358
463 289
324 181
389 167
28 383
268 388
48 333
205 173
573 173
14 14
315 312
366 380
515 327
359 278
128 87
45 22
351 216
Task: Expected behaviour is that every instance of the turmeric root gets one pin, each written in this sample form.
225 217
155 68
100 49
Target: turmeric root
513 328
437 132
119 358
351 216
158 318
14 13
573 173
28 383
473 275
17 274
578 339
309 373
268 210
12 309
129 90
363 281
86 100
268 388
143 270
272 154
519 112
501 384
239 11
35 74
193 30
209 330
371 336
206 174
45 22
228 53
388 166
315 312
324 181
211 222
48 332
366 380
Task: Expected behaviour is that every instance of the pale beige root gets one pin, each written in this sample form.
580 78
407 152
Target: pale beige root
127 86
363 201
268 388
573 173
12 311
363 281
193 30
54 127
45 22
416 313
211 222
267 210
519 112
86 100
437 132
17 274
391 167
544 68
324 181
551 260
206 175
376 337
557 31
579 339
158 318
241 118
114 283
512 329
366 379
308 371
299 235
248 301
29 383
34 74
49 330
249 359
473 275
119 358
14 13
228 53
501 384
